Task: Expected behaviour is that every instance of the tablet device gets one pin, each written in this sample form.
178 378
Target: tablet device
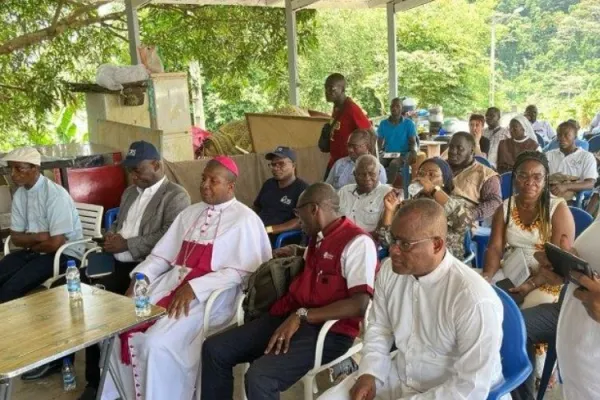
564 262
100 264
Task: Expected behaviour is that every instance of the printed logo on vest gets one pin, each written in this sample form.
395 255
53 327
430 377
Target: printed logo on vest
285 200
328 256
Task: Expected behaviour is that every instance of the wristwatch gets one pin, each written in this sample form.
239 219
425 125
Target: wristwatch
302 313
269 229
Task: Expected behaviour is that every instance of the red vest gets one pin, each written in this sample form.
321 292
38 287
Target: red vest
321 281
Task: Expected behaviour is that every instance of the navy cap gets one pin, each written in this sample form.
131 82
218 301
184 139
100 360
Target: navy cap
283 152
138 152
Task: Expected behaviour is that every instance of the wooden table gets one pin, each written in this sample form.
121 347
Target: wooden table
45 326
432 148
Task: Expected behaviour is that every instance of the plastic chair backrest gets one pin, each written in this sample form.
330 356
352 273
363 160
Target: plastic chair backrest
484 161
594 144
506 184
513 351
578 142
287 235
540 140
582 218
110 216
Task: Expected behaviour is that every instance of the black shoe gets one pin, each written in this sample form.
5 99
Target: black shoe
42 372
89 393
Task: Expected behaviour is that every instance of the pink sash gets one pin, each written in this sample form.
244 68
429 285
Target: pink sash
199 261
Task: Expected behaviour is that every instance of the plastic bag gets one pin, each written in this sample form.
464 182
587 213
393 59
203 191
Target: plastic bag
113 77
148 56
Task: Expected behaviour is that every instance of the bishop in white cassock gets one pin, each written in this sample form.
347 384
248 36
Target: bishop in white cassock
211 245
443 318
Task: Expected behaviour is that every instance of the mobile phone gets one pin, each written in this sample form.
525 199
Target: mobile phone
563 262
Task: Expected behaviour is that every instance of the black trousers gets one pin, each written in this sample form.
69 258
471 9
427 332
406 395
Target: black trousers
25 270
117 282
268 374
540 322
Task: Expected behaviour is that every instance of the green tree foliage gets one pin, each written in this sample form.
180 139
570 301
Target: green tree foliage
439 61
547 55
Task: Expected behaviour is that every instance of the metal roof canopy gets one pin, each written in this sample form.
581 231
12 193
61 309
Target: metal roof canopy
291 6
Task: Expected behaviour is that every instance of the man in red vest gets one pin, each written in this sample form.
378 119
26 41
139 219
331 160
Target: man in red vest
347 116
336 283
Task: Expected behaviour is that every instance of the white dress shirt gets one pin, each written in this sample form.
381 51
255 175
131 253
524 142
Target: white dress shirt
578 336
545 130
580 163
447 327
131 226
495 136
364 209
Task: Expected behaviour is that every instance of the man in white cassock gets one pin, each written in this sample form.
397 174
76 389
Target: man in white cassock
443 318
211 245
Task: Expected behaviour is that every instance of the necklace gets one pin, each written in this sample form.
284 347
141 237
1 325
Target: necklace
518 222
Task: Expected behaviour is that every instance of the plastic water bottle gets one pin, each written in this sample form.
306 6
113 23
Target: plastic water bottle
140 293
73 281
68 375
414 189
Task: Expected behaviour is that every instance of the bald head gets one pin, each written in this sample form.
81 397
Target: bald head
321 193
424 216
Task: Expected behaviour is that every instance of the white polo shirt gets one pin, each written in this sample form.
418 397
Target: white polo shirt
544 129
580 163
364 209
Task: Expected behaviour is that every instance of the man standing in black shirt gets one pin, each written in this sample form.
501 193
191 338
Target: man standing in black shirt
278 196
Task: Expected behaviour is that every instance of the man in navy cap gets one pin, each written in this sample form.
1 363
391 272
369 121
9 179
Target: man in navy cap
278 196
148 208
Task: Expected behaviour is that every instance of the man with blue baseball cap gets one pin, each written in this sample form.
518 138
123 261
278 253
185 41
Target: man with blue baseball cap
278 196
148 208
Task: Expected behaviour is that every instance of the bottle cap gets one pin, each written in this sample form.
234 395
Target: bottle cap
71 263
139 276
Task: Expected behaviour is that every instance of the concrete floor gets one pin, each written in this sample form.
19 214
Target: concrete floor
51 388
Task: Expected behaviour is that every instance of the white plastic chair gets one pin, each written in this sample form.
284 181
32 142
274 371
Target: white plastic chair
213 330
91 224
310 386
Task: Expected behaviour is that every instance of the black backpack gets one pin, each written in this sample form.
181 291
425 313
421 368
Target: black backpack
269 283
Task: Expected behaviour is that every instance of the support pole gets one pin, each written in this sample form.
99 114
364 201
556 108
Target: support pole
292 48
492 65
392 51
133 31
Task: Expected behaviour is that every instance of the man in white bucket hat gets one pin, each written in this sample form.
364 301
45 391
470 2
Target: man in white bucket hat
43 218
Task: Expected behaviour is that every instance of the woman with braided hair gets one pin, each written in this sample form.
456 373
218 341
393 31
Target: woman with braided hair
530 217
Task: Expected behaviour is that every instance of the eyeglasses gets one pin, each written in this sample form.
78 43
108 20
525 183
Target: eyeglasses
524 178
355 146
363 175
428 174
406 245
278 165
297 209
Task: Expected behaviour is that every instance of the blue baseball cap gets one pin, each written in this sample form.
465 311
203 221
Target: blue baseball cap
138 152
282 152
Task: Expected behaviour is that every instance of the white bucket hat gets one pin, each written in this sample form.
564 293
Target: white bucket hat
25 154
